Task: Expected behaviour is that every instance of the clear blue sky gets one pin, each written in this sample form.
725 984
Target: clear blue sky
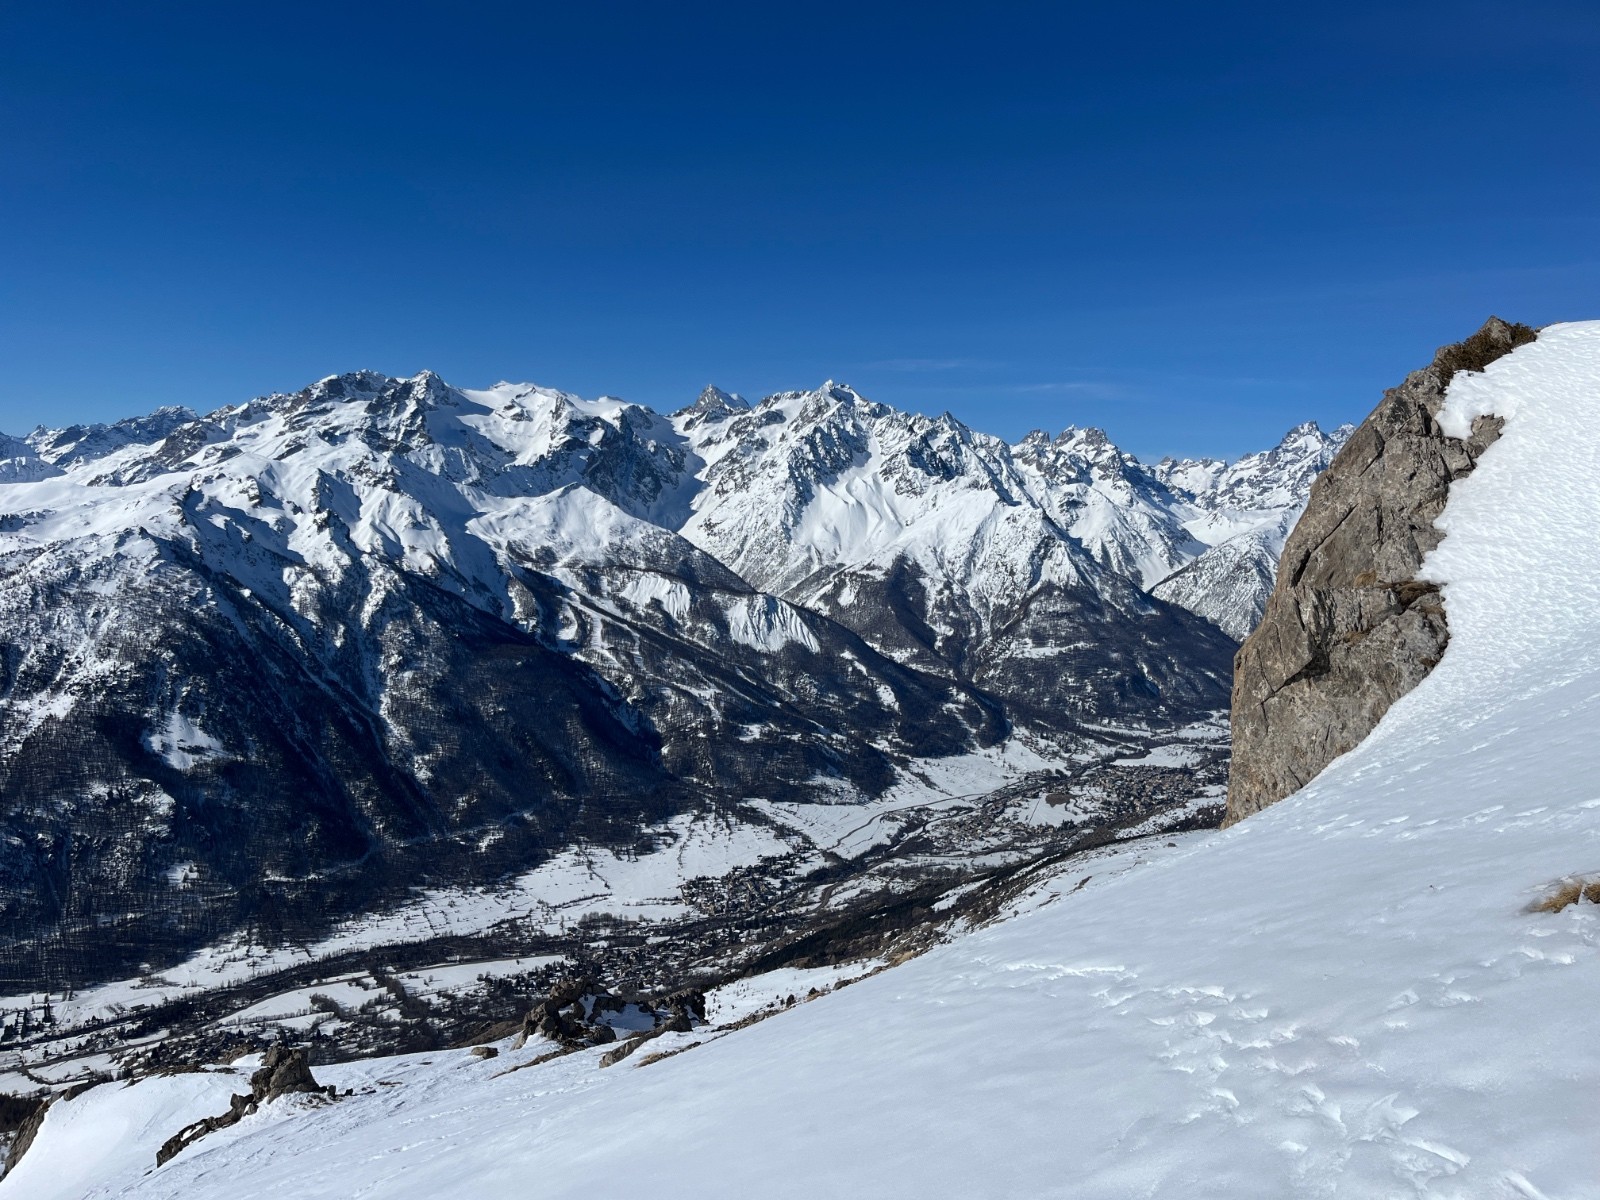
1192 224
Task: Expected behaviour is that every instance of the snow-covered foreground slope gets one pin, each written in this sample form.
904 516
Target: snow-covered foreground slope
1342 995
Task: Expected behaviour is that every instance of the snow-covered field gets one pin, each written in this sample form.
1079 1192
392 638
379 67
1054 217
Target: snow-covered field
1344 995
855 825
966 814
575 883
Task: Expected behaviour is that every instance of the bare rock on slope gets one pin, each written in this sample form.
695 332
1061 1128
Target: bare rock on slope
284 1070
1348 628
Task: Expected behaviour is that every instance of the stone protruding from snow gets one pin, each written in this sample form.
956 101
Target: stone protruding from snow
574 1014
1348 628
283 1071
21 1117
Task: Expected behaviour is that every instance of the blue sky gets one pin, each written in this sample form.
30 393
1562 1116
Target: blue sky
1191 224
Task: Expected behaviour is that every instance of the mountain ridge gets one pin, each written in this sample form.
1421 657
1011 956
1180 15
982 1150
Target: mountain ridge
305 652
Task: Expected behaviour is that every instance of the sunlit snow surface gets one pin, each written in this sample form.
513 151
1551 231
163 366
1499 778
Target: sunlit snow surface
1341 996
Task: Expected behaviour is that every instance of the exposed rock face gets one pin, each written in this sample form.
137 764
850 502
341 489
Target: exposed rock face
25 1116
573 1014
1348 628
282 1071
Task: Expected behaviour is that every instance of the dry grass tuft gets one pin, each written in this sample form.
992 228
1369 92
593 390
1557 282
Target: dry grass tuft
1496 339
1412 590
1567 893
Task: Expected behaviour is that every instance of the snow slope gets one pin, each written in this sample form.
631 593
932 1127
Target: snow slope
1343 995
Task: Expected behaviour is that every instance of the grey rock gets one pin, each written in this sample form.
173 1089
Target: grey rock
624 1048
239 1107
689 1003
612 1057
572 1014
546 1022
1349 628
26 1116
283 1070
568 990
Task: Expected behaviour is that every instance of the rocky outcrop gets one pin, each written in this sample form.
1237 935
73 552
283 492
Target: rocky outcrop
1349 628
677 1022
678 1013
283 1071
21 1117
573 1014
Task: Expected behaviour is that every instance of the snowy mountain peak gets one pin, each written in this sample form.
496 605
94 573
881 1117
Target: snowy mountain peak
1308 439
354 381
713 405
20 463
77 443
831 401
1087 437
422 392
842 392
714 398
800 485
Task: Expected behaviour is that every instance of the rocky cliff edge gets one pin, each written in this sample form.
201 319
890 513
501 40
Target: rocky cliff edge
1348 628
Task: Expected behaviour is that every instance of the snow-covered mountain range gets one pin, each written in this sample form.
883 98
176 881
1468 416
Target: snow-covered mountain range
1371 988
819 495
291 658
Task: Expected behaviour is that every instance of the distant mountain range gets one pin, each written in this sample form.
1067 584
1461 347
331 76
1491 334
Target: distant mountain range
288 660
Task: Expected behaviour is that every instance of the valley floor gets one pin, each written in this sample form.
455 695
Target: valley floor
711 897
